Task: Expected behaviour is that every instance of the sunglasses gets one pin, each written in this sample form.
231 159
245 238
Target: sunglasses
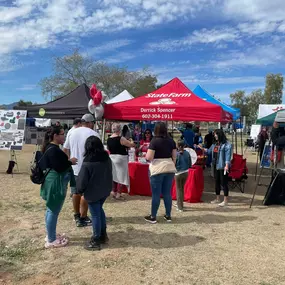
147 133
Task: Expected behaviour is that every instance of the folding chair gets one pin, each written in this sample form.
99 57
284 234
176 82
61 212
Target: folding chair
238 173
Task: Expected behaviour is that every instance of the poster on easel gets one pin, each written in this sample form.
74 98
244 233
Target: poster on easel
266 156
12 129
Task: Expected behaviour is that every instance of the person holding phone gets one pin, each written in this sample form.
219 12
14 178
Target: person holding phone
221 152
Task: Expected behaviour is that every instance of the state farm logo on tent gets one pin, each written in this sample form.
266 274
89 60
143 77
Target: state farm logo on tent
168 95
165 101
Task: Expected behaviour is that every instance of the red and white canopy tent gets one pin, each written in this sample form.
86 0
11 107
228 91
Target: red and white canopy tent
172 102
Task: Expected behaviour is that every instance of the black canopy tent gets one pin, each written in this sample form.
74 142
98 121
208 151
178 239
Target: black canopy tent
70 106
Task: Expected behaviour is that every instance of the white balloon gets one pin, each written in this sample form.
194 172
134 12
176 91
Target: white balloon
99 112
91 106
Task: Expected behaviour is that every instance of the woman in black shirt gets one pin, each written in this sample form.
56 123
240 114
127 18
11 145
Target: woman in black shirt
117 146
162 154
53 190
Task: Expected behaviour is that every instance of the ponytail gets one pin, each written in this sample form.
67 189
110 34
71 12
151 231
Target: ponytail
49 136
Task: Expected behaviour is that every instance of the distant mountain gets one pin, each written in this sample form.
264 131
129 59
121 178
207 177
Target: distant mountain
9 106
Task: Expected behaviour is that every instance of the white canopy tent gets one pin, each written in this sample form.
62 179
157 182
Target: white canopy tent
123 96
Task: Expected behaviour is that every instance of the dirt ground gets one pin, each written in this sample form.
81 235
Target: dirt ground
203 245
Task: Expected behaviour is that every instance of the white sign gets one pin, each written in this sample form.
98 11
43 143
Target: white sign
265 110
12 129
254 131
41 122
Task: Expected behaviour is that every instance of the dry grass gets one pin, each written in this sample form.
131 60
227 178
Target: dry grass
203 245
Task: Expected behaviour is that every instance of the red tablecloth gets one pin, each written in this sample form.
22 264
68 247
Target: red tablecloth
139 179
140 184
194 186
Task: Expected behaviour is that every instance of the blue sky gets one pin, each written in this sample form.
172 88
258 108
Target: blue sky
223 45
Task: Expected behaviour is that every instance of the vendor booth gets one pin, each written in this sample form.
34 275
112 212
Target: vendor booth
203 94
267 113
70 106
172 102
123 96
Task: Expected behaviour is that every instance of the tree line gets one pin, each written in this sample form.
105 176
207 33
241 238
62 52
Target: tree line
248 103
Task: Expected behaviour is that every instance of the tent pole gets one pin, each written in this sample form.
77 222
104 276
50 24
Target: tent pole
241 136
103 131
233 143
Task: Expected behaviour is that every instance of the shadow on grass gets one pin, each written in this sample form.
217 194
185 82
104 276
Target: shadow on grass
205 219
144 239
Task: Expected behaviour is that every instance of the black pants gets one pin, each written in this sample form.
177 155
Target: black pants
221 180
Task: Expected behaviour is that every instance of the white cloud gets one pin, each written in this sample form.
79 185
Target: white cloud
36 24
262 55
108 46
27 87
255 9
219 37
257 28
120 57
9 63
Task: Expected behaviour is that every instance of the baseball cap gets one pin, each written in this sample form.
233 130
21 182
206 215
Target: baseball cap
87 118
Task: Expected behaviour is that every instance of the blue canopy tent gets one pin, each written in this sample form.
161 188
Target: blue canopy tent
203 94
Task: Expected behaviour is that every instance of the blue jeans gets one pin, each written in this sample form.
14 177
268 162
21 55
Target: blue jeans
51 222
52 216
98 217
161 184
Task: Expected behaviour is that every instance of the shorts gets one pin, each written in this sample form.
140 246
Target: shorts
73 190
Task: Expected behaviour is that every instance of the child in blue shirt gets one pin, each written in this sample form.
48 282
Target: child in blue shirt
183 163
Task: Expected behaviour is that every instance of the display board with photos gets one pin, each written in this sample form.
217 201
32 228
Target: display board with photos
12 129
34 135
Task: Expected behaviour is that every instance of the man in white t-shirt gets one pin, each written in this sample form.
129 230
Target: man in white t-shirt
76 124
74 146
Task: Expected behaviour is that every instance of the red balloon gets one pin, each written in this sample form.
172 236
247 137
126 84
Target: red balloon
93 91
97 98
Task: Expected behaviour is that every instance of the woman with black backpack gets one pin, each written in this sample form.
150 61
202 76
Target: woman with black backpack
57 167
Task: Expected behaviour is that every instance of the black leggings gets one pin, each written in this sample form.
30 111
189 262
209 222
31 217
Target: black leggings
221 180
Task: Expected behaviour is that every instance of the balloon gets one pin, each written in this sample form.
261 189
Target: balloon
91 106
99 112
98 98
93 91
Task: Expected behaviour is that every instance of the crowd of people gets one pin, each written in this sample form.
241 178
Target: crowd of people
95 173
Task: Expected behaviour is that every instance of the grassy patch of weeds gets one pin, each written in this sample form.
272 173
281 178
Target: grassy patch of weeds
18 252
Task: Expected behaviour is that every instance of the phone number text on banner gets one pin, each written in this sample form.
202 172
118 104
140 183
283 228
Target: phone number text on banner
157 113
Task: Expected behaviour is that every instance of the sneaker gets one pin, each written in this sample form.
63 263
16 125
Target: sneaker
215 201
87 220
56 243
150 219
80 223
76 217
180 210
93 244
58 236
223 204
174 204
167 218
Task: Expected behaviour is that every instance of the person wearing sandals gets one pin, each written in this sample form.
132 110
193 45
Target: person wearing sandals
58 172
221 157
94 182
117 146
162 155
